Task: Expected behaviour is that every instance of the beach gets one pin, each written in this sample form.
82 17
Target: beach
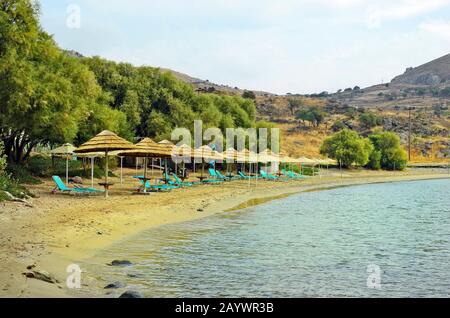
60 230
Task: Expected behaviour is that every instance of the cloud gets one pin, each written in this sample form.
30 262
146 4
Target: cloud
439 28
376 15
284 46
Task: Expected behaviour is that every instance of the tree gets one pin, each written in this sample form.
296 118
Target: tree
45 95
312 114
2 159
392 155
294 104
369 120
249 95
348 148
338 125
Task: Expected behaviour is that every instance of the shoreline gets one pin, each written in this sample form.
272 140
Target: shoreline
66 230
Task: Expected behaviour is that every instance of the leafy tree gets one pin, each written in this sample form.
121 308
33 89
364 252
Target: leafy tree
45 96
312 114
2 158
249 95
338 125
392 155
294 104
348 148
374 160
369 120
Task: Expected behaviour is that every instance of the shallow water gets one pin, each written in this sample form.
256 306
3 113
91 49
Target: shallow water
316 244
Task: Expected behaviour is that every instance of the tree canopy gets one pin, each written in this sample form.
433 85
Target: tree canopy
49 97
45 96
348 148
313 114
389 153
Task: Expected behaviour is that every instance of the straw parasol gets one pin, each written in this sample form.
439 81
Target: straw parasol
65 150
205 154
306 161
147 148
106 141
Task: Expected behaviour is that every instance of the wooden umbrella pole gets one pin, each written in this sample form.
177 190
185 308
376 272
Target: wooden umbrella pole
203 168
106 174
121 170
67 169
145 174
92 172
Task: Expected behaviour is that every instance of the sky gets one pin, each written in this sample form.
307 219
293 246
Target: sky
279 46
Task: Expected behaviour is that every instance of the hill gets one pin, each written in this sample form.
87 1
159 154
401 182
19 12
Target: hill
432 73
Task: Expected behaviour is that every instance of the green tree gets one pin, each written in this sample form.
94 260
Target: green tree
294 105
249 95
392 155
45 95
374 160
348 148
369 120
338 125
312 114
2 159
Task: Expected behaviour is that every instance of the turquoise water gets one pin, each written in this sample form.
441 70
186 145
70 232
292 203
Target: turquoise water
316 244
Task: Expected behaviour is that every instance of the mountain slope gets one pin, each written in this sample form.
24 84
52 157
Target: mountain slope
432 73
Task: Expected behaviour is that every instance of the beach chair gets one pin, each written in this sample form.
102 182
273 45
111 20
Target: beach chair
295 175
290 174
215 176
244 176
221 176
159 187
182 183
61 187
214 180
268 176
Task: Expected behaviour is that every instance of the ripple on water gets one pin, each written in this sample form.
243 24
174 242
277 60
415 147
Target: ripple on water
317 244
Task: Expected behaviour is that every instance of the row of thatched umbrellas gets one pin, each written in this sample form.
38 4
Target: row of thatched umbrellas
107 143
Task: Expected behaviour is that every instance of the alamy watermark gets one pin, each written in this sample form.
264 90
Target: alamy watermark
73 280
73 20
374 278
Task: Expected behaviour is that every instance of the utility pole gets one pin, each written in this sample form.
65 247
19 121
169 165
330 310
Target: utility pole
409 133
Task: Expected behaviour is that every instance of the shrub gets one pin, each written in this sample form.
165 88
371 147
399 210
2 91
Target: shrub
392 155
369 120
338 126
348 148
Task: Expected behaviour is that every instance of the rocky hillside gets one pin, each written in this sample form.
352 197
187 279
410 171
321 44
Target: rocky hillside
435 72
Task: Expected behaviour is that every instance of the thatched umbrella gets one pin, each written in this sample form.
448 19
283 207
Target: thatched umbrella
147 148
205 154
92 156
66 151
106 141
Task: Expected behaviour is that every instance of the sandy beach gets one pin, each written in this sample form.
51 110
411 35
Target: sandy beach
62 229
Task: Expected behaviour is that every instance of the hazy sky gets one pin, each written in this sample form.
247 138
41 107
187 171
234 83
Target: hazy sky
297 46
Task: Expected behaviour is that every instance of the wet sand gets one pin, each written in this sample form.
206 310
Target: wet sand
62 229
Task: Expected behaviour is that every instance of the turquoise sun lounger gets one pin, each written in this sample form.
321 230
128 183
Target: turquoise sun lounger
183 183
268 176
291 174
222 177
215 176
60 186
244 176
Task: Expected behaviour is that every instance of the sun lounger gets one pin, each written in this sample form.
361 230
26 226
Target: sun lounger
222 177
268 176
215 176
183 183
61 187
244 176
